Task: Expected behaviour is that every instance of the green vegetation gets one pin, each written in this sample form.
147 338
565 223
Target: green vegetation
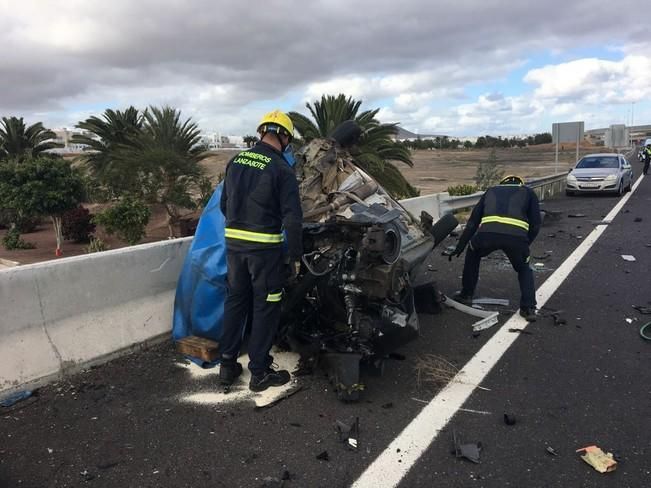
41 186
96 245
376 147
488 173
481 143
460 190
153 157
127 219
12 241
18 141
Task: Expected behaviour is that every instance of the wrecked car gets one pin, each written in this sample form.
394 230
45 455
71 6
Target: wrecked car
363 276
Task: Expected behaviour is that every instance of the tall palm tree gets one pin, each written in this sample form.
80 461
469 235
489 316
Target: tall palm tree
18 141
166 152
105 134
375 149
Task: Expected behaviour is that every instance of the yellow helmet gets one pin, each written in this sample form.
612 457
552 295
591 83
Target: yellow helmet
271 121
511 180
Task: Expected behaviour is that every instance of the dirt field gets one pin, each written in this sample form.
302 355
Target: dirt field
433 172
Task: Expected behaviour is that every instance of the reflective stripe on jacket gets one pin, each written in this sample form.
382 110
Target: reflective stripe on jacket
260 199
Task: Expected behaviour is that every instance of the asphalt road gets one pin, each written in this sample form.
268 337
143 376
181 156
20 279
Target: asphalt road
585 382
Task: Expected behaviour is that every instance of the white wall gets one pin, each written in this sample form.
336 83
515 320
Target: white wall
61 316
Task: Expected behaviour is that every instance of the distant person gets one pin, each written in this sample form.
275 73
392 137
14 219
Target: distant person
647 159
507 218
260 199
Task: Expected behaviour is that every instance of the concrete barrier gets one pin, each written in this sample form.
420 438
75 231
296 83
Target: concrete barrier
62 316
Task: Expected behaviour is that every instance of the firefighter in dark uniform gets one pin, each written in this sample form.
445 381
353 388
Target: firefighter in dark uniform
260 199
647 159
507 218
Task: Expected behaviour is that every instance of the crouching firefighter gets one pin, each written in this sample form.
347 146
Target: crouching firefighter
260 198
507 218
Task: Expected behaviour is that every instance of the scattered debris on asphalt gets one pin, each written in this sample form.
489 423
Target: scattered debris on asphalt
642 309
87 475
488 319
539 265
545 256
470 410
551 451
521 331
470 452
509 419
601 222
348 433
431 368
628 257
419 400
323 456
630 321
387 405
280 399
14 398
599 460
551 215
576 215
637 219
500 302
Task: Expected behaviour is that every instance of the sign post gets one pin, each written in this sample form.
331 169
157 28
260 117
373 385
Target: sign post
567 132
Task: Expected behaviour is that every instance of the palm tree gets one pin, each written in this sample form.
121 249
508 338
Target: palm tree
375 148
166 153
103 137
18 141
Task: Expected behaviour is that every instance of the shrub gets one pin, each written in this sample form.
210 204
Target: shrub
77 225
96 245
13 241
127 220
459 190
488 172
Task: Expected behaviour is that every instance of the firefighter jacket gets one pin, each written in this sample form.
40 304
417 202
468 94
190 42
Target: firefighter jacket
505 209
260 198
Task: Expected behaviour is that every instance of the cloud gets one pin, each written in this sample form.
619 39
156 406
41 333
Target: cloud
594 81
220 61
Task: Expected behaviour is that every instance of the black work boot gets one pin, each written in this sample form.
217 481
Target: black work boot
269 378
461 297
229 372
529 314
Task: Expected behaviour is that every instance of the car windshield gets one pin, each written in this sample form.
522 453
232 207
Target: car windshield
598 162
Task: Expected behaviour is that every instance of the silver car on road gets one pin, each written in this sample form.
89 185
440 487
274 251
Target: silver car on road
608 172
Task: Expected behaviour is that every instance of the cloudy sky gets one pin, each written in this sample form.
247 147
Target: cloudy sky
464 67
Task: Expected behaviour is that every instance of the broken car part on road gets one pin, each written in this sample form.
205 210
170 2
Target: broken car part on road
488 319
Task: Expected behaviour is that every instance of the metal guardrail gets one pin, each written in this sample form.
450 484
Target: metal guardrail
543 187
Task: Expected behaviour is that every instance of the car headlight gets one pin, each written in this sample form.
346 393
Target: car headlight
611 177
571 178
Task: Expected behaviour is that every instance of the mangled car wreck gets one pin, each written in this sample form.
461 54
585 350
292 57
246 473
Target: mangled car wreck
362 280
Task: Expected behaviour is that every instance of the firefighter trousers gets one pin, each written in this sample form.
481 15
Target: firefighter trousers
515 248
255 279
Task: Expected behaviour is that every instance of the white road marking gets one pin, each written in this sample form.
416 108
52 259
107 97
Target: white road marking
393 464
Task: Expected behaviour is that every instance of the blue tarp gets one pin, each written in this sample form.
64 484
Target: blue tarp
201 290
